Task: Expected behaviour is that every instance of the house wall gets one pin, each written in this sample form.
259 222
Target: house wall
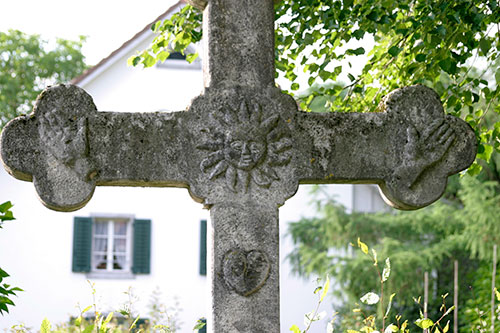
36 249
169 87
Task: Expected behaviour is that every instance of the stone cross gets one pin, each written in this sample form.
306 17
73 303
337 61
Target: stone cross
242 148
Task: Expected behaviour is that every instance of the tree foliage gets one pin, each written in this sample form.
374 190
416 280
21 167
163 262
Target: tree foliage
28 64
462 227
450 46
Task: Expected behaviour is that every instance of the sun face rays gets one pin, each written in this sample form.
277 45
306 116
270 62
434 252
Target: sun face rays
245 146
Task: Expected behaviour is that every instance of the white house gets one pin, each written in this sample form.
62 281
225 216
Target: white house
148 239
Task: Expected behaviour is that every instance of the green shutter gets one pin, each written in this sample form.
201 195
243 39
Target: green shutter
82 244
203 247
204 328
141 257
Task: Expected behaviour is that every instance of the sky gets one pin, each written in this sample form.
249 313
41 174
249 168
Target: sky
106 23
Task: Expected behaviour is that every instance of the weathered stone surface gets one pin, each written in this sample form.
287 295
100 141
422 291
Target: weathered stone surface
248 301
239 43
244 146
201 4
68 148
242 149
51 148
245 271
409 149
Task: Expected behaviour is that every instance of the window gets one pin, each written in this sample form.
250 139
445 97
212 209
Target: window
111 246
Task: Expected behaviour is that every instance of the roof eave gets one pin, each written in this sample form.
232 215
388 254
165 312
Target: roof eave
90 74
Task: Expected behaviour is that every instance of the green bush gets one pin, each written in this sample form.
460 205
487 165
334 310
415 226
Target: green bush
6 290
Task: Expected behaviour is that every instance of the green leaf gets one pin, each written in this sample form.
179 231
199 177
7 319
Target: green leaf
133 60
448 65
375 260
474 169
87 309
163 55
362 246
420 57
484 45
88 329
394 51
7 216
199 324
373 15
389 305
148 60
446 327
134 323
295 329
45 327
387 270
370 298
325 289
108 318
484 152
5 206
358 51
191 57
3 274
391 328
156 26
358 34
449 310
424 323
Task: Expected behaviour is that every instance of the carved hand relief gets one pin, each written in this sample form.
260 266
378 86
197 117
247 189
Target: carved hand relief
245 147
63 132
245 272
428 146
425 148
429 135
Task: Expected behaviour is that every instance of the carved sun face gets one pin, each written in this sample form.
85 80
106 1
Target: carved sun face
244 154
245 147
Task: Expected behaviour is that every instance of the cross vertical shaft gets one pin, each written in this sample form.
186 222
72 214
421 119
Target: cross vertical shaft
245 268
235 33
245 246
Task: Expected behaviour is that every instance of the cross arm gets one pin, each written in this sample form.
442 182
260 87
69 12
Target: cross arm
409 149
67 148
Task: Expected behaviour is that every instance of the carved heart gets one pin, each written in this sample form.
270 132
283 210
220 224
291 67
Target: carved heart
245 271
